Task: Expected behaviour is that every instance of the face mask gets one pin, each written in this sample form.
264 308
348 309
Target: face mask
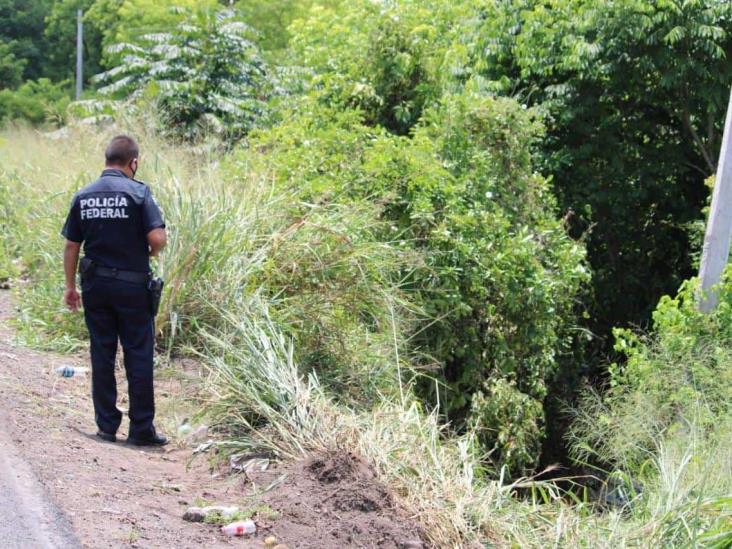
133 170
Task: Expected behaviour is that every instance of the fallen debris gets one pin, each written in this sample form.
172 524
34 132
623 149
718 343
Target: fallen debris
239 528
191 435
199 514
248 463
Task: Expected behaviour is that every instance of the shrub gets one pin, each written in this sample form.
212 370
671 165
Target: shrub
36 101
375 57
669 379
499 272
665 420
681 372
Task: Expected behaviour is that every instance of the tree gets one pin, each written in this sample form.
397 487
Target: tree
272 18
60 32
21 30
127 20
634 93
11 68
207 76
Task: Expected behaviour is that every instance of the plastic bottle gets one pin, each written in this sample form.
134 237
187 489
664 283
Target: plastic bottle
70 371
239 528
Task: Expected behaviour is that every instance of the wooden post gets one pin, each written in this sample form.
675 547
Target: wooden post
79 54
719 226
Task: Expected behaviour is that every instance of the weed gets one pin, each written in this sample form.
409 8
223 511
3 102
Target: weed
261 510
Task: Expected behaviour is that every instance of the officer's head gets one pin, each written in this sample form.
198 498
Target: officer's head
122 153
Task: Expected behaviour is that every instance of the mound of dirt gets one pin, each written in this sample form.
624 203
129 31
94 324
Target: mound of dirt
335 501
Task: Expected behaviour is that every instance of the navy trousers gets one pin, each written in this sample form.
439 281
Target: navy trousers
114 311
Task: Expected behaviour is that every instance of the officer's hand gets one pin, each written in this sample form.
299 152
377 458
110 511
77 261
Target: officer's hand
72 299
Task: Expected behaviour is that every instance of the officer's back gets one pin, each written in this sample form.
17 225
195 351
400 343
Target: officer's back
112 216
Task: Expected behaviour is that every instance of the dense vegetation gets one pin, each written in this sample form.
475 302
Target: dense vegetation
445 207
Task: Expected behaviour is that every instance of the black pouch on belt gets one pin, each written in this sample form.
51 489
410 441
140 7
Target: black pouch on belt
155 287
86 268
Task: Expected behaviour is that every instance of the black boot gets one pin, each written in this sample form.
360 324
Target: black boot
151 440
108 437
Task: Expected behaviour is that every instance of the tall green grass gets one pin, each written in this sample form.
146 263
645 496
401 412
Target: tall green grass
665 422
331 282
37 180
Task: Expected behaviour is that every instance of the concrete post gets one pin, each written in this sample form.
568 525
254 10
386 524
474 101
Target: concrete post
79 54
719 226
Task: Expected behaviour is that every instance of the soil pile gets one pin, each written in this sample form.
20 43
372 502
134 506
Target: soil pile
334 500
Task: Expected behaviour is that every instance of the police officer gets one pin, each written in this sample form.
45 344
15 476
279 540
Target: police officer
121 226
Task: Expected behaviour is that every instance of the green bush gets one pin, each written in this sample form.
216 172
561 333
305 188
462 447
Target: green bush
36 101
665 421
679 374
498 272
378 58
681 331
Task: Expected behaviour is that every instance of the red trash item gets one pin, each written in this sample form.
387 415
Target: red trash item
239 528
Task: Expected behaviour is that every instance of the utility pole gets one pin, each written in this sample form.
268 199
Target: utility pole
79 55
719 226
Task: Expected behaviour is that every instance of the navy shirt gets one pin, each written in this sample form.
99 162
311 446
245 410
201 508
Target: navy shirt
112 217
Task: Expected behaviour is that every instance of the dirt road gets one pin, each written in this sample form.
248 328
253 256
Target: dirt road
109 495
28 518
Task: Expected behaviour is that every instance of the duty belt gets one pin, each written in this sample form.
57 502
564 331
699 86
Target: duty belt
127 276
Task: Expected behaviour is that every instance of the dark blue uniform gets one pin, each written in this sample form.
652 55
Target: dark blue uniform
112 217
